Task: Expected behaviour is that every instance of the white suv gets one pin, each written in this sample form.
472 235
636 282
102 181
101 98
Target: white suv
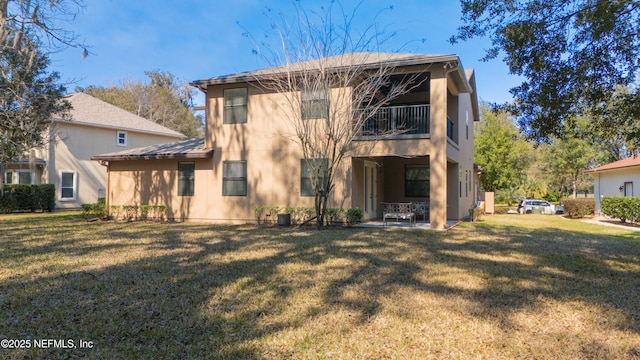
536 206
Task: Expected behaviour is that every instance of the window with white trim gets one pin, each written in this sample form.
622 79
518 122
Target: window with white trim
8 177
24 177
68 185
121 139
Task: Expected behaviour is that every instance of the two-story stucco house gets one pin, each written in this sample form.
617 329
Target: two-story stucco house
247 157
93 127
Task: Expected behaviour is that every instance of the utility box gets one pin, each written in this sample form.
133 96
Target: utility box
284 220
489 202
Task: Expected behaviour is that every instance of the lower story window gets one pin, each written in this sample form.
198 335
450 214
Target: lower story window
24 177
234 178
68 185
416 181
186 178
313 174
8 177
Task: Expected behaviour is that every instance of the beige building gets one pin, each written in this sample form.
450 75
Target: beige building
94 127
247 157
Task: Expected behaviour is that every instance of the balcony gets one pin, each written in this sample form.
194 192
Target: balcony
409 121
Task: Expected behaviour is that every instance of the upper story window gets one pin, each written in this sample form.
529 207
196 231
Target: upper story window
314 103
235 106
451 130
121 139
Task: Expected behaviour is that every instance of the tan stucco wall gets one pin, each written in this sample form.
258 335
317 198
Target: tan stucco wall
155 182
273 156
265 142
72 151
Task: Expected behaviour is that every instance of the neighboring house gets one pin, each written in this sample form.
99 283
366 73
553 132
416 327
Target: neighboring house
619 178
94 127
247 158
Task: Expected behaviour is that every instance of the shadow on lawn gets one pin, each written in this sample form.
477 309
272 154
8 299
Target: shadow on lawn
216 291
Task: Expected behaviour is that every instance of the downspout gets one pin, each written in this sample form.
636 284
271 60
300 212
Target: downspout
447 72
107 197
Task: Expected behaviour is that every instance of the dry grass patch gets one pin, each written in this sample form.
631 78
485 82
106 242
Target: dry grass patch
508 287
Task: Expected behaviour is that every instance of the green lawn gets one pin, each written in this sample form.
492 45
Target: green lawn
509 286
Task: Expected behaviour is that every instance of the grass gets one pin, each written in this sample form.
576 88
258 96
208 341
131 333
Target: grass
528 286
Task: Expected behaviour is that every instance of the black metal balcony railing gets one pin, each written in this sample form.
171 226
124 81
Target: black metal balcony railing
394 120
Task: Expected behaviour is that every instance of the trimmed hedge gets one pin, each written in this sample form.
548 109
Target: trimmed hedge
579 208
622 207
22 197
267 214
139 212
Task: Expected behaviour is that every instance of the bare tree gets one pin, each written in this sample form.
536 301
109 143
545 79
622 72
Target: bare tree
42 21
332 85
164 99
31 94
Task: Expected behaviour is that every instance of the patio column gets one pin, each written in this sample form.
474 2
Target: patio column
438 155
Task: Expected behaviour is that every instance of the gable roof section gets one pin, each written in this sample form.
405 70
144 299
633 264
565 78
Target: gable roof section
368 60
90 111
188 149
620 164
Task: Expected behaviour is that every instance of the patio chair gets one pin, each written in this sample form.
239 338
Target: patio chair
421 209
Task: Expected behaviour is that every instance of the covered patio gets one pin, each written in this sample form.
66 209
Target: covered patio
391 225
400 179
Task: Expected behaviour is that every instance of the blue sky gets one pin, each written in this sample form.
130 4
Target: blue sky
198 39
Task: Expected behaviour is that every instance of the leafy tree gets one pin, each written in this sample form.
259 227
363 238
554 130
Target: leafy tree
567 158
164 100
500 150
614 128
573 54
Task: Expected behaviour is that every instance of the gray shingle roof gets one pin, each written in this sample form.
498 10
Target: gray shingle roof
365 59
90 111
187 149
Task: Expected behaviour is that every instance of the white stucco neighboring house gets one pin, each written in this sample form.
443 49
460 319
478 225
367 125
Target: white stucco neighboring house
94 127
619 178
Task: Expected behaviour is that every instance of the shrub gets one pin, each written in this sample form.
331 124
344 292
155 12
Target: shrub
271 212
130 212
99 210
354 216
114 211
475 213
23 197
333 215
622 207
258 211
551 197
299 214
141 212
579 208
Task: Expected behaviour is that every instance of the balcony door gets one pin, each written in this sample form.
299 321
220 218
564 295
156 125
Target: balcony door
370 186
